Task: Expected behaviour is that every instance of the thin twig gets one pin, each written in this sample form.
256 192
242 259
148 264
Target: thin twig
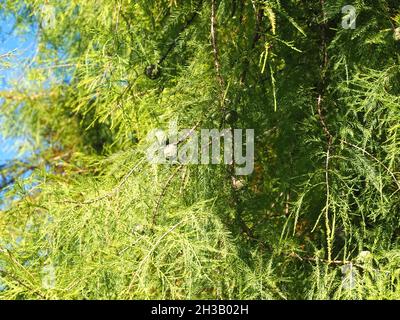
214 43
183 28
151 251
256 38
329 138
14 278
110 194
163 193
375 159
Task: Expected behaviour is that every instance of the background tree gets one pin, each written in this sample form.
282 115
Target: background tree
317 219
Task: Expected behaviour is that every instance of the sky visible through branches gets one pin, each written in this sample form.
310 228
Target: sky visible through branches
22 46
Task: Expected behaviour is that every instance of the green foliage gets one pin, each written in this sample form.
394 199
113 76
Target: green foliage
318 219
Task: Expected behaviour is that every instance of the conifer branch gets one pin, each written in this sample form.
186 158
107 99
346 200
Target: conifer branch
390 172
5 273
327 261
222 236
322 88
163 193
182 29
256 38
214 42
109 194
30 289
142 262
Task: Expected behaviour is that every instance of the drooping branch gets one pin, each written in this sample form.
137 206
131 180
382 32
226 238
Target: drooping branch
256 38
329 137
14 170
183 28
11 173
214 42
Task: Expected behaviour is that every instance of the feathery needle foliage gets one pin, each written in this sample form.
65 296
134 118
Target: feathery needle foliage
84 215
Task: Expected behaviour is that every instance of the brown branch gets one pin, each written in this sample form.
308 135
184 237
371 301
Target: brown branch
316 260
5 273
256 37
10 96
10 173
8 182
329 137
31 290
217 65
214 43
321 118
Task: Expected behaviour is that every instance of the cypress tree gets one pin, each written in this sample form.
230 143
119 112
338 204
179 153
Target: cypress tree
85 215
